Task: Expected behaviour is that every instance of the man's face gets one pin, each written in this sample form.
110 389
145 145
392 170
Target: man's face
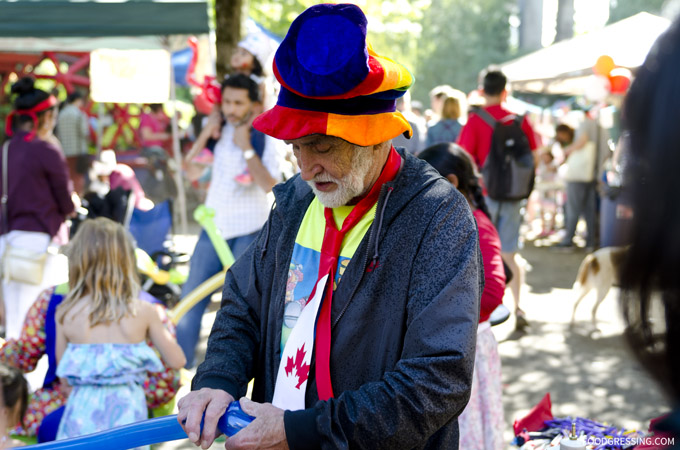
336 170
236 106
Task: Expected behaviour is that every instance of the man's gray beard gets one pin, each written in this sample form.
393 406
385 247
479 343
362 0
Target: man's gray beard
349 186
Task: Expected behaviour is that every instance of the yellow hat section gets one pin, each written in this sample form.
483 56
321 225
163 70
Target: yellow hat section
365 130
396 76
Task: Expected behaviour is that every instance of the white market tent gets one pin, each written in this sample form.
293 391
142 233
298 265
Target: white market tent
565 67
28 26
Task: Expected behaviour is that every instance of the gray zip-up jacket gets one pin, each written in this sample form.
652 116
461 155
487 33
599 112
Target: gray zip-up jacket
404 320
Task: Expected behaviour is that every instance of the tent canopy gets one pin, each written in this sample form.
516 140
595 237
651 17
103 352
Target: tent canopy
564 67
86 18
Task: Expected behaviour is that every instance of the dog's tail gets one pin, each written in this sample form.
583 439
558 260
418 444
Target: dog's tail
588 266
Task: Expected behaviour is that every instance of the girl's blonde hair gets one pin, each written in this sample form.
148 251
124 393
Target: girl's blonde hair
102 265
451 108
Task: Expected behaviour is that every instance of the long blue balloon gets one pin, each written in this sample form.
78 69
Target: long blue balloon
146 432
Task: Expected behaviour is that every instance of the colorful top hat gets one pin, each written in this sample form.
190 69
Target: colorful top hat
333 82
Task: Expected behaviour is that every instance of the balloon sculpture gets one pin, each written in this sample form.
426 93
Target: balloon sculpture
616 79
620 80
205 217
209 90
146 432
604 65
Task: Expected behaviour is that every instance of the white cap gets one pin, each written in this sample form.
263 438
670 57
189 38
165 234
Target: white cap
106 163
259 45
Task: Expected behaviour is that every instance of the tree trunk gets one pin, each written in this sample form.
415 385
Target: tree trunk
227 32
565 20
531 25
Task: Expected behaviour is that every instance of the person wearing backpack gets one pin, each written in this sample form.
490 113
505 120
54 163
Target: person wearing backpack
502 145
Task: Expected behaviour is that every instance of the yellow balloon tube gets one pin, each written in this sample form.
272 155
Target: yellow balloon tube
206 288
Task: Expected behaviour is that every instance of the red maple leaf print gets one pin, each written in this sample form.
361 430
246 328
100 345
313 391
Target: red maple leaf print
290 365
301 368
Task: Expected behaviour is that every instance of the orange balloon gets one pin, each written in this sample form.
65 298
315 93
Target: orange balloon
604 65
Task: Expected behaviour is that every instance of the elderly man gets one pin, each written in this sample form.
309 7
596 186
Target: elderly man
355 310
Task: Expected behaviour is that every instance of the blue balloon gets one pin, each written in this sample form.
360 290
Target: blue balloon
147 432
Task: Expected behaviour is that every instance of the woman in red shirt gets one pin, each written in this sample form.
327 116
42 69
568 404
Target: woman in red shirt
481 423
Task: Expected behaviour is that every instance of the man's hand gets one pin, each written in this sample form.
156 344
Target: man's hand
191 407
214 122
265 432
242 132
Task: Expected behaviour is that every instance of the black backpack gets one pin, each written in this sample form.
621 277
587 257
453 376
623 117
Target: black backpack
509 169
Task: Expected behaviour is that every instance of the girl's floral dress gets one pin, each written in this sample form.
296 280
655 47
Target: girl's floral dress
107 382
24 353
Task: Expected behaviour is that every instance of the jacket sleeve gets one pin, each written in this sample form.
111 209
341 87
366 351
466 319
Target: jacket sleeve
54 165
430 385
234 340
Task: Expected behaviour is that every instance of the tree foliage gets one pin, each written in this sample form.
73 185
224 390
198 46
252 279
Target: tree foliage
277 15
392 24
439 41
620 9
227 32
459 39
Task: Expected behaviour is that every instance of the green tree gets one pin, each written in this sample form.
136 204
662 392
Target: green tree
227 32
459 39
276 16
565 20
439 41
393 25
620 9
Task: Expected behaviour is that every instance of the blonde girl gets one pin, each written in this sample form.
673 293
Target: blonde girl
102 327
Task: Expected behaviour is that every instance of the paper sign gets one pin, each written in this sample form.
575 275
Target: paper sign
130 76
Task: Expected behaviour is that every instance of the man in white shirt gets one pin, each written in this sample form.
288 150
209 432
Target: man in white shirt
245 168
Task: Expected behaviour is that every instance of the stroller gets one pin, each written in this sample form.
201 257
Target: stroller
152 232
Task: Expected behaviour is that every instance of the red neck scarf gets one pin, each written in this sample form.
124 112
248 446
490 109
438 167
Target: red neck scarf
330 251
48 103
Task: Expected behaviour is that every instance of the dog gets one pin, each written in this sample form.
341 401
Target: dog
600 271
